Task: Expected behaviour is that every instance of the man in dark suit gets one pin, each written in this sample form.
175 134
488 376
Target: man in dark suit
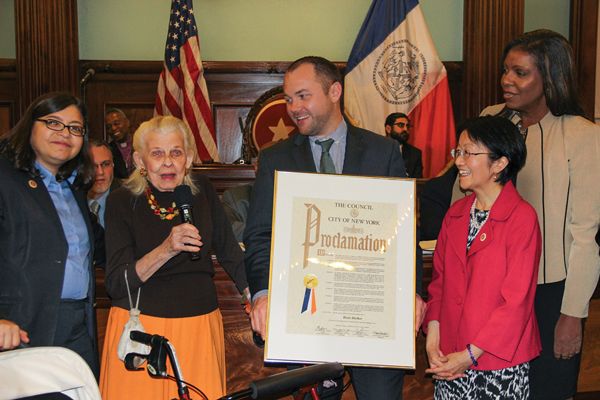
397 127
121 147
104 180
312 88
236 202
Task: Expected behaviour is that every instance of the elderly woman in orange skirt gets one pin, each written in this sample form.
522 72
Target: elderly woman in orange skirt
146 239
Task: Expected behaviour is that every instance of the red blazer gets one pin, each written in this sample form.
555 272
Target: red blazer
486 297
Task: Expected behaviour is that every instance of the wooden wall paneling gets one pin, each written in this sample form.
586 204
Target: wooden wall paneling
454 72
232 95
229 133
7 110
9 94
47 47
488 26
584 40
130 86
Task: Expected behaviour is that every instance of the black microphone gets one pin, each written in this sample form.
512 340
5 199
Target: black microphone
185 202
88 76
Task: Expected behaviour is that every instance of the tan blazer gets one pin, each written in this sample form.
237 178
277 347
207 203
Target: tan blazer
560 180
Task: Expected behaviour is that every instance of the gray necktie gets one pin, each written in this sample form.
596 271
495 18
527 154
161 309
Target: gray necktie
327 166
95 207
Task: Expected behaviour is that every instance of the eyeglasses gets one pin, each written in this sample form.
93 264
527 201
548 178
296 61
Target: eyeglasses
104 165
402 125
464 153
75 130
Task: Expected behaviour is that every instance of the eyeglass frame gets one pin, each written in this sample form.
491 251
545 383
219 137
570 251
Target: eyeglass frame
463 152
83 130
402 125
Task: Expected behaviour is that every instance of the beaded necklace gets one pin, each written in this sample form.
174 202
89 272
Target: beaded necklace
477 224
163 213
520 126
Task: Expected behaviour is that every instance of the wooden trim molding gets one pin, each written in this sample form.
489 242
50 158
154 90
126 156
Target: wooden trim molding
584 40
47 47
488 26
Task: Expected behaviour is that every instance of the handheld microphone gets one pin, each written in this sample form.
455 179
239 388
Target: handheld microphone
185 202
88 76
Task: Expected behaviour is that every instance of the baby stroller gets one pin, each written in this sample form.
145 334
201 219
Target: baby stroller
42 370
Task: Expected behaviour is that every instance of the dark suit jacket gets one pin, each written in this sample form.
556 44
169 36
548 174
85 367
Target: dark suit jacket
413 162
434 203
236 202
33 253
367 154
120 167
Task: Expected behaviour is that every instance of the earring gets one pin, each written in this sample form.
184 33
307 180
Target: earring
143 172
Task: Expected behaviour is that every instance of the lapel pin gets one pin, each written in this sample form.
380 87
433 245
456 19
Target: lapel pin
482 237
32 184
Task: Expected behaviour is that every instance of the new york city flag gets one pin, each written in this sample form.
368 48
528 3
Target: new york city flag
394 67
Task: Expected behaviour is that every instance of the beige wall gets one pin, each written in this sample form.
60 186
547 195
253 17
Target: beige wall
259 30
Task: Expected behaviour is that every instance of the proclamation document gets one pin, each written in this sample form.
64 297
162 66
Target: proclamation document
342 270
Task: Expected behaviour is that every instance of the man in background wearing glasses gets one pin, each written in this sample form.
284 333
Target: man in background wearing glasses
104 180
397 127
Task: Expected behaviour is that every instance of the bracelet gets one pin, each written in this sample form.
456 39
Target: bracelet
471 355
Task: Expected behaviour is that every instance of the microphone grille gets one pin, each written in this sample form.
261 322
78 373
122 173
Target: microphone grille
183 196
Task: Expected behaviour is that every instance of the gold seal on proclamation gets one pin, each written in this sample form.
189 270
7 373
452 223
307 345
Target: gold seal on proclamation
311 281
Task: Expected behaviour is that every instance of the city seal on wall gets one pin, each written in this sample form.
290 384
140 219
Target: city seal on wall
400 72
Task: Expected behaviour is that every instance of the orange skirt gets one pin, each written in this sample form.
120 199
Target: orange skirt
200 347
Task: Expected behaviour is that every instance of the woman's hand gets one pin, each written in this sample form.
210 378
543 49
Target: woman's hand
454 367
567 337
420 310
434 353
11 335
184 237
456 364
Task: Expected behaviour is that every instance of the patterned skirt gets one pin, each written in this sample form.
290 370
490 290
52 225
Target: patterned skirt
504 384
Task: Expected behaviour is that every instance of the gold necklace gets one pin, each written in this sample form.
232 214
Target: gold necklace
163 213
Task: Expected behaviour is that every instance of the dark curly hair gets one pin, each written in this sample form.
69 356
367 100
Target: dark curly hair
16 144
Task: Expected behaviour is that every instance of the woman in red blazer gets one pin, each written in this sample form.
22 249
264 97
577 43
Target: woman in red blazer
480 322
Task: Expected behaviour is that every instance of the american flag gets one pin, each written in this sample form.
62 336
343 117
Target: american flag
182 89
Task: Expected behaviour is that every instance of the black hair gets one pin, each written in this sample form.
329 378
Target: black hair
99 143
16 144
326 71
502 138
554 59
391 119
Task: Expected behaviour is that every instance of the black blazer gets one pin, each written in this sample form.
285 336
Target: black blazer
413 162
367 154
434 203
33 253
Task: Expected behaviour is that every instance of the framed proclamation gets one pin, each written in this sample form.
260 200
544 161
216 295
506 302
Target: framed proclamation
342 282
